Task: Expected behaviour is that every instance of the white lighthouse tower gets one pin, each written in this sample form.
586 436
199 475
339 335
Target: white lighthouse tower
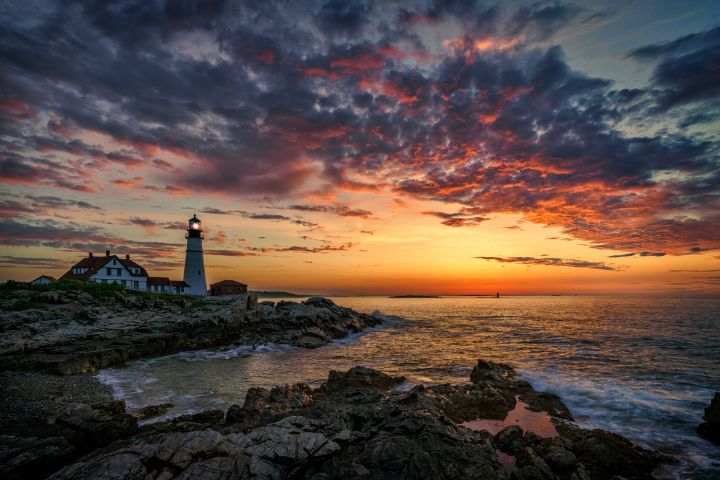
194 263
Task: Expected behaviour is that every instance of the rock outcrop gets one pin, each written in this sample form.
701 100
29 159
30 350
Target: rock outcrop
710 428
358 425
75 332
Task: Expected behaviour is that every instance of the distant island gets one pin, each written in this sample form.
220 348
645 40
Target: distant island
272 294
415 296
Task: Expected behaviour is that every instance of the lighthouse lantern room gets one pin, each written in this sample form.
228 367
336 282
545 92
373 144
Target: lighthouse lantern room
194 263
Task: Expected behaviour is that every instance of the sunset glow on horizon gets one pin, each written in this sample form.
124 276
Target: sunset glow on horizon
440 148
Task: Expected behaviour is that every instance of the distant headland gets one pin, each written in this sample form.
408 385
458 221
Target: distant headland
275 294
415 296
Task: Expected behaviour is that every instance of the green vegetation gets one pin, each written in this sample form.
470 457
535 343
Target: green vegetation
24 296
97 290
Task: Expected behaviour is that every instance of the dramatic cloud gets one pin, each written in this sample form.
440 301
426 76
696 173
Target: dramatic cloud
342 210
464 103
31 262
687 68
75 237
641 254
553 262
457 219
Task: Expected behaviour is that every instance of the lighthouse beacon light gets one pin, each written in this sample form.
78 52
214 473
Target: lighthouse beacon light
194 262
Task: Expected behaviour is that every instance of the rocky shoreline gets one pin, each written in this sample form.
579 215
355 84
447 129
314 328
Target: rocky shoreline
355 425
72 331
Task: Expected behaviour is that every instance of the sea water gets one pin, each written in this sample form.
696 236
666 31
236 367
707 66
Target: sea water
641 367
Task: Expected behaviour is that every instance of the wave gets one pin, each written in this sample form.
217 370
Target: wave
644 412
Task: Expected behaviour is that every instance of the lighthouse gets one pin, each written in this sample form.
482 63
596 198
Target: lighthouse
194 263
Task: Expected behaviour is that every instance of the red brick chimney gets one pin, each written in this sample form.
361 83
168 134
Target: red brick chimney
90 254
127 256
107 253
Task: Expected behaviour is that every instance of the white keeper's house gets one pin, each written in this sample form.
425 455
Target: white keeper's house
113 269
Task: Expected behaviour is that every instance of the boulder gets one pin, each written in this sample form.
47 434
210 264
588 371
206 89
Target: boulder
710 428
356 425
87 427
24 458
476 401
360 377
509 439
265 403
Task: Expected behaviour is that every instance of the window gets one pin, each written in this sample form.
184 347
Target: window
114 262
108 271
124 283
119 272
136 284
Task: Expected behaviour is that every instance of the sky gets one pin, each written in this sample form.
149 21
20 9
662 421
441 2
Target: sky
367 147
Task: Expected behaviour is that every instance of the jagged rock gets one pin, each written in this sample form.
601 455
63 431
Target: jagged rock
360 377
188 423
710 428
486 371
546 402
24 458
356 425
509 439
606 455
153 410
473 401
87 427
77 333
263 402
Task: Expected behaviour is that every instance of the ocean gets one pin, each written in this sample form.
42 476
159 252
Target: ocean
641 367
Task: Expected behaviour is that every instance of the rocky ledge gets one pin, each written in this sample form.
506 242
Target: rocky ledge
72 331
710 428
356 425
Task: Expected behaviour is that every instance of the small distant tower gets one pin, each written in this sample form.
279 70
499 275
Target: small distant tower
194 263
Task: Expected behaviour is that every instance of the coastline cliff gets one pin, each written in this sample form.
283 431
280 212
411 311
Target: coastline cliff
86 327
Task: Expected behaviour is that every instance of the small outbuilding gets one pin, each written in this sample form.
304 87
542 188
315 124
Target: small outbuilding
228 287
43 280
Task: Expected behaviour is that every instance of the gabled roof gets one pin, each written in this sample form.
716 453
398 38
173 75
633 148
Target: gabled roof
45 276
159 281
129 264
94 264
228 283
179 283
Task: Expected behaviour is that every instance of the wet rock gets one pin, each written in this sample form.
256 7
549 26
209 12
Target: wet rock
531 466
153 410
360 377
606 455
473 401
493 372
77 333
509 439
546 402
265 403
356 425
710 428
188 423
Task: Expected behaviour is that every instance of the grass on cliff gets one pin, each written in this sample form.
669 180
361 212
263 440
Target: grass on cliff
27 296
